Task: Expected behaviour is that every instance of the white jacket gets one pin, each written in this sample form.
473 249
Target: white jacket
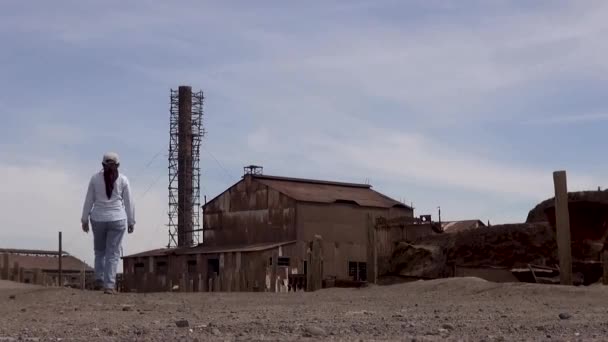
99 208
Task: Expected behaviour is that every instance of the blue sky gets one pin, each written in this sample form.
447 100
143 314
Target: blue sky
467 105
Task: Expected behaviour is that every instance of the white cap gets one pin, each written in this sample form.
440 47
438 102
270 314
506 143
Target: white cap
111 157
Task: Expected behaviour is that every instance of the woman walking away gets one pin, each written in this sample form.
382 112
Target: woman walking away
110 207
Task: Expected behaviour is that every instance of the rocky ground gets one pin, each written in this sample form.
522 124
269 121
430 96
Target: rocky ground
466 309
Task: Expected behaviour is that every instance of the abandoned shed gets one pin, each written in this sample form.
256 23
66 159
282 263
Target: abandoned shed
257 236
42 267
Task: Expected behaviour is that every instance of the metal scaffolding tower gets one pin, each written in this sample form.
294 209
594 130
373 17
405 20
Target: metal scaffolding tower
185 134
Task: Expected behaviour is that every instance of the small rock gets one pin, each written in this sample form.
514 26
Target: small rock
216 331
443 331
314 331
23 310
127 308
564 315
448 326
12 297
182 323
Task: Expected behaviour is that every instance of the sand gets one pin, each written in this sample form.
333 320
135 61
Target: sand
467 309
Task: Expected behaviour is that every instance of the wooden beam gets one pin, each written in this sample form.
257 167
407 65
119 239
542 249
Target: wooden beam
274 271
315 266
605 264
562 220
372 251
60 261
5 267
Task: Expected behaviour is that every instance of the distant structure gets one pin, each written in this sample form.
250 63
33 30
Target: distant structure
274 234
41 268
185 134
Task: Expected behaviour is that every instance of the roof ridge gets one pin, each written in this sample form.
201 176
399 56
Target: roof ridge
312 181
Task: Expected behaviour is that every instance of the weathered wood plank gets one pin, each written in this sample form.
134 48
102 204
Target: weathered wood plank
562 219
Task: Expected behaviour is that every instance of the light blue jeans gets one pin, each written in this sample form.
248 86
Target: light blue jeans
107 239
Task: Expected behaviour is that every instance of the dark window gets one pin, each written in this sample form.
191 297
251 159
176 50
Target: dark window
213 266
357 270
280 261
283 262
191 266
140 268
362 271
161 267
352 269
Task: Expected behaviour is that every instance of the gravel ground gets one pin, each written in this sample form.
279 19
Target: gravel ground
466 309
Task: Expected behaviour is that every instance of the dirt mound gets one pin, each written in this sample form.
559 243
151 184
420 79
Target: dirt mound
538 213
511 245
418 261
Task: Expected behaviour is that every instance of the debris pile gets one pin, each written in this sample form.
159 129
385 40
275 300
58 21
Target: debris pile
511 245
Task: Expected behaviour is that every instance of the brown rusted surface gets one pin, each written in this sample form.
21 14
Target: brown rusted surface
185 168
260 214
249 213
307 190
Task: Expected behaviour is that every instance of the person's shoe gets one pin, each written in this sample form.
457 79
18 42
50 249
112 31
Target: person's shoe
98 286
109 291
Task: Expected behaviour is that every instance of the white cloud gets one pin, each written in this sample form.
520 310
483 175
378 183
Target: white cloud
569 119
38 200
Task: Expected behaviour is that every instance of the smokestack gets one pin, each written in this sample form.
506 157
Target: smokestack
185 165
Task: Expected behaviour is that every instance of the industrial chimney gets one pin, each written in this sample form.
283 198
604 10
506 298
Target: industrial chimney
184 171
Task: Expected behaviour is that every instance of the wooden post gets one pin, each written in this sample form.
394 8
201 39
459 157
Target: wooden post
38 277
562 221
273 272
605 262
60 261
15 273
372 252
315 269
82 278
5 267
21 275
238 273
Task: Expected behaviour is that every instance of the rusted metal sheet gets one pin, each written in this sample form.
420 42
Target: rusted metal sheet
307 190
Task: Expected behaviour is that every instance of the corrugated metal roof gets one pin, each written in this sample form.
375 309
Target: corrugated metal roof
459 226
68 263
309 190
209 250
30 251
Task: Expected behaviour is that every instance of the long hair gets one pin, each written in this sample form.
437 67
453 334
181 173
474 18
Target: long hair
110 175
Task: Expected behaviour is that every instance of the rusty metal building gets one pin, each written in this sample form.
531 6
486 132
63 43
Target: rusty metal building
257 235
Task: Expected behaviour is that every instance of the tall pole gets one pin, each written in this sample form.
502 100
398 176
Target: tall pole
184 168
562 222
439 208
60 260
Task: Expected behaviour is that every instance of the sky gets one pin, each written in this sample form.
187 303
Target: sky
467 105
